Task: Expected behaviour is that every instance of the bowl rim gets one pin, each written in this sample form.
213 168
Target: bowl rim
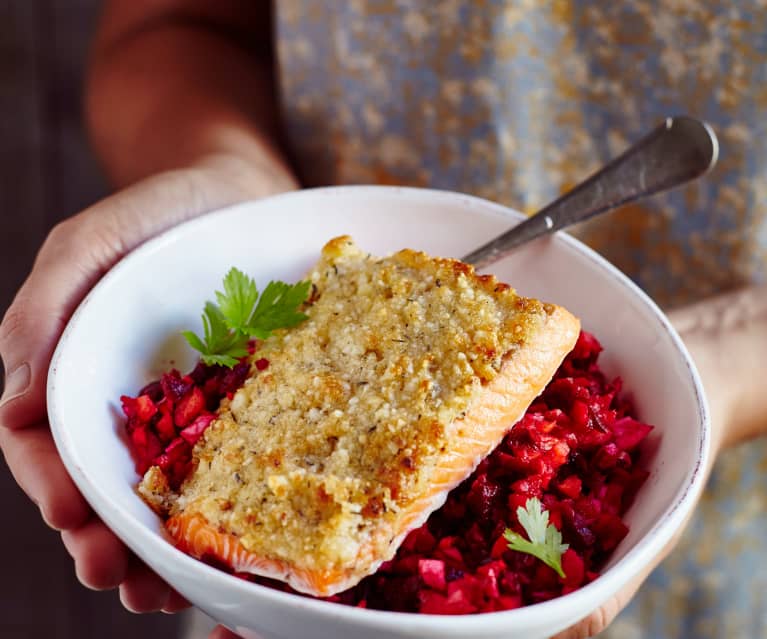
144 541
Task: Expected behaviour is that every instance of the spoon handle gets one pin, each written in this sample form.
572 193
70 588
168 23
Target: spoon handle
679 150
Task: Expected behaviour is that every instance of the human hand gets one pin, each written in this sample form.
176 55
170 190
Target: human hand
74 256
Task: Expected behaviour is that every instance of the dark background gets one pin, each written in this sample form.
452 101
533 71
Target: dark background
46 173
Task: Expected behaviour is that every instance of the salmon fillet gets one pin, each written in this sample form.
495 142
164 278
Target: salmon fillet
408 372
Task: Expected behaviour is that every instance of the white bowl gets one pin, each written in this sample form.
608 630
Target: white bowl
126 332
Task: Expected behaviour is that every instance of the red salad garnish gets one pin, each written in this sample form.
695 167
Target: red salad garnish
575 450
169 416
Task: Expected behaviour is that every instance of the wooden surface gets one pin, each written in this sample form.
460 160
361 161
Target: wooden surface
46 174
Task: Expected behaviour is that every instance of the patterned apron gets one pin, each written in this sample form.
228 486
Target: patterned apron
516 101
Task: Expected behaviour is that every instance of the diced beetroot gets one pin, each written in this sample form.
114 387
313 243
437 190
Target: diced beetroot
405 565
611 530
190 406
145 408
432 572
193 432
555 518
165 428
141 438
454 509
232 379
586 349
459 596
531 486
629 433
510 582
452 573
509 602
516 500
475 544
580 414
153 390
482 495
173 453
576 528
129 406
574 568
500 546
447 551
489 575
419 540
612 498
575 449
607 456
433 603
570 486
173 386
386 566
635 480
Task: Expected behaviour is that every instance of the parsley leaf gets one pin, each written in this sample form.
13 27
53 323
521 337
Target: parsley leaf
220 345
238 299
242 315
278 308
545 541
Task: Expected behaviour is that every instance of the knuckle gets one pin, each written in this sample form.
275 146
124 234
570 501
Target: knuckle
60 236
16 329
597 622
14 322
99 238
87 244
602 617
58 245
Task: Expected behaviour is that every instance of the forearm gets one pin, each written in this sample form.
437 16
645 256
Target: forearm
176 84
727 337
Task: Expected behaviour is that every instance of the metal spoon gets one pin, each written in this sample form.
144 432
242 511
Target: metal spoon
679 150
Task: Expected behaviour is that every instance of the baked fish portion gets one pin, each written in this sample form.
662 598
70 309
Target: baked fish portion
408 371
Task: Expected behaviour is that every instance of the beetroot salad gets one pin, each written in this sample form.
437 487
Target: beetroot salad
575 451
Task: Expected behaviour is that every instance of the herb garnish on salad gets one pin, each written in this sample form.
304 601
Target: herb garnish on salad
242 314
545 541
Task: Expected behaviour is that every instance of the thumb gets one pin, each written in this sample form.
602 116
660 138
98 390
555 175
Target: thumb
28 334
73 258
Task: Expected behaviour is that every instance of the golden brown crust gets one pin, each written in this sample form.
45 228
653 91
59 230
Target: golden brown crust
155 490
408 371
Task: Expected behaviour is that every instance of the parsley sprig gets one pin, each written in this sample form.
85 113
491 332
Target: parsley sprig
545 541
242 314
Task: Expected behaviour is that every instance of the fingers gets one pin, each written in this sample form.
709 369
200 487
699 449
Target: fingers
142 590
175 603
101 559
36 466
102 562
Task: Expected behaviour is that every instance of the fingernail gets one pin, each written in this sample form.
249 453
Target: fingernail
16 383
